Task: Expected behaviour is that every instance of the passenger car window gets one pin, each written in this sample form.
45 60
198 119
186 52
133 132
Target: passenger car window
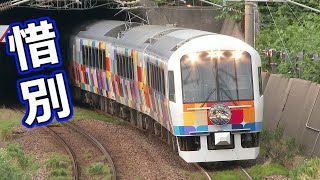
260 81
172 95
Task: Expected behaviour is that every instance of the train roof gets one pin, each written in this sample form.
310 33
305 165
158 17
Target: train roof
160 41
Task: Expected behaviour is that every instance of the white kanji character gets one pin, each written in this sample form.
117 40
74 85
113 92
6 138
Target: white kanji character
34 100
41 98
39 33
41 42
15 40
63 95
48 53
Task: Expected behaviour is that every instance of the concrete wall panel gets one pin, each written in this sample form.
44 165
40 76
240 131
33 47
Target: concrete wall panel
195 18
314 120
298 107
316 151
275 96
265 78
308 139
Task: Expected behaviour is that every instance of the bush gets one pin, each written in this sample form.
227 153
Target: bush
278 149
308 169
16 164
258 172
98 169
59 166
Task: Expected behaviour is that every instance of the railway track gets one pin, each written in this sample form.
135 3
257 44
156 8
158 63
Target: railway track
245 173
70 151
201 170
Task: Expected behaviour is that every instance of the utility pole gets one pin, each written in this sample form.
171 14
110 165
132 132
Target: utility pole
249 32
251 7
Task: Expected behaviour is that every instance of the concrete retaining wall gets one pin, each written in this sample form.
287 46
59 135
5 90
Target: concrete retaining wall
295 105
201 18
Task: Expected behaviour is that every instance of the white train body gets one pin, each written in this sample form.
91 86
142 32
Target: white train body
203 89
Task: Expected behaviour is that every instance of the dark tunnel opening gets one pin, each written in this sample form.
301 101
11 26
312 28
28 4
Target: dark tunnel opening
65 20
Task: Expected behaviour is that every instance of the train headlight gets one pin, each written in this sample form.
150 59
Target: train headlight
219 114
194 57
237 54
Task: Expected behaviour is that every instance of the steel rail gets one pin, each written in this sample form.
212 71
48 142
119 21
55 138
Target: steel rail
62 142
245 172
96 143
202 170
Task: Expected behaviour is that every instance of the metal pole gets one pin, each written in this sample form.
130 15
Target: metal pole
249 23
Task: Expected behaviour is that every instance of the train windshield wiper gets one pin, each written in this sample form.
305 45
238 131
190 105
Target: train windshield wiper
229 96
208 97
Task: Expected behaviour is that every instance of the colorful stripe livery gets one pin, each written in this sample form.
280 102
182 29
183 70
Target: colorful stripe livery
135 93
196 118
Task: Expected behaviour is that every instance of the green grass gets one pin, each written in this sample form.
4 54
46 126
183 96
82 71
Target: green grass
8 119
258 172
15 163
99 170
59 166
85 114
228 175
307 169
278 149
194 175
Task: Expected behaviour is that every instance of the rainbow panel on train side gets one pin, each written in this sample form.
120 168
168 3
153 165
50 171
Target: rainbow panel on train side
134 94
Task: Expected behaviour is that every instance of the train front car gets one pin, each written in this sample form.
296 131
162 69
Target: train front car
216 100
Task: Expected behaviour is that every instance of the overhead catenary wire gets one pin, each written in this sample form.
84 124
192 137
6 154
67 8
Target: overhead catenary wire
294 14
281 38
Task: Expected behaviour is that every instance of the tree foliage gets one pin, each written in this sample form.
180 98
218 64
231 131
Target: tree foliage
296 30
286 27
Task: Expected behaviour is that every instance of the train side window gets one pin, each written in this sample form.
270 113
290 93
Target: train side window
125 66
103 59
99 58
89 56
132 68
163 83
153 76
122 65
148 73
260 81
172 95
158 79
95 57
129 68
118 63
82 53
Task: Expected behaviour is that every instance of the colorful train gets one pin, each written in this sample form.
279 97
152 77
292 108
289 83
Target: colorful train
199 91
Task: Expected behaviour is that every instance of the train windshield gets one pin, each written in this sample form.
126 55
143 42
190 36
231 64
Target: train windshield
216 76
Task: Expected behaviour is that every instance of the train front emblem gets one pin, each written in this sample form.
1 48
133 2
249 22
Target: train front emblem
219 114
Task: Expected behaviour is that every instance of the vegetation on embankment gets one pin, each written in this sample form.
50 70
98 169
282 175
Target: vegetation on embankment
59 167
15 163
86 114
8 119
